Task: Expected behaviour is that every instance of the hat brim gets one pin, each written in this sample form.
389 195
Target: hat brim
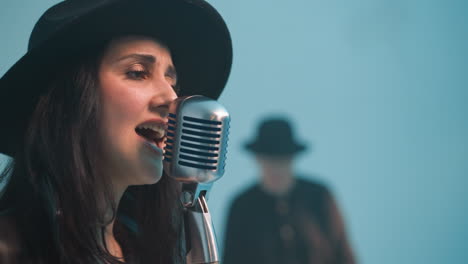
274 150
194 31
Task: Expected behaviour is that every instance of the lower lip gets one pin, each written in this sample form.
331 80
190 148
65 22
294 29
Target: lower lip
153 146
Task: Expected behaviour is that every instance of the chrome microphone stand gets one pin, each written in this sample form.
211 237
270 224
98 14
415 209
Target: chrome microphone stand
201 245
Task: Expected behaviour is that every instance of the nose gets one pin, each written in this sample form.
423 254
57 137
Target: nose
164 94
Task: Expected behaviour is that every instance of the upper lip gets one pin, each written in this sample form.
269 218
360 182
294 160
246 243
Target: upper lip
156 121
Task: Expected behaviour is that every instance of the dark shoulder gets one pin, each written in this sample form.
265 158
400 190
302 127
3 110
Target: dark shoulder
9 240
311 187
316 194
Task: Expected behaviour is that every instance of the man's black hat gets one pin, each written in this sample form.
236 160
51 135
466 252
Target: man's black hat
193 30
275 138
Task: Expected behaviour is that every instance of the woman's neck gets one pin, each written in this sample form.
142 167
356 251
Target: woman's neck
110 241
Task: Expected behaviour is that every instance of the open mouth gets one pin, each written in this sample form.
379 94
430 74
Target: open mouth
155 133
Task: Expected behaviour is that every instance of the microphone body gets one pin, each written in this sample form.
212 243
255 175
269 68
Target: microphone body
195 155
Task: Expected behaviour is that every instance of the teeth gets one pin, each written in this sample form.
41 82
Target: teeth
159 129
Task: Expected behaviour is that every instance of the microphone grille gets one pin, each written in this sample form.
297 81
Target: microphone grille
196 142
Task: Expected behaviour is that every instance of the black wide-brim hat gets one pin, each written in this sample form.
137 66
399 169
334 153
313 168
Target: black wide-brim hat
275 138
194 31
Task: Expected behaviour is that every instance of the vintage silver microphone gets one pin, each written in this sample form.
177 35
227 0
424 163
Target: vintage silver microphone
195 155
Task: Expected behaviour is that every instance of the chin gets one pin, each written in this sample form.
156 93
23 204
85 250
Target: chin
147 170
151 176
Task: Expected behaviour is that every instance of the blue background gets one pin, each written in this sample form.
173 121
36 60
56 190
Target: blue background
378 88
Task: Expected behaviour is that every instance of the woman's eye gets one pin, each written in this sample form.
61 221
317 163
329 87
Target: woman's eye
137 75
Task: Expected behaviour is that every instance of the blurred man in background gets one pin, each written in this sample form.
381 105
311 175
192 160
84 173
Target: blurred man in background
284 218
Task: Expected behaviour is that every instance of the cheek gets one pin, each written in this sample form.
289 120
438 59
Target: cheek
121 110
120 103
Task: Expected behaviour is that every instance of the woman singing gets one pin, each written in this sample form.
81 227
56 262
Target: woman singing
84 113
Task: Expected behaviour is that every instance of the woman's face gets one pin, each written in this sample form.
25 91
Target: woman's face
136 80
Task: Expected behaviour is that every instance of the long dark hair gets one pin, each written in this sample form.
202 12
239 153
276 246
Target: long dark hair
54 190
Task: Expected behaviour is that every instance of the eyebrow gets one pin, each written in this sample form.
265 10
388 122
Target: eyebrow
144 57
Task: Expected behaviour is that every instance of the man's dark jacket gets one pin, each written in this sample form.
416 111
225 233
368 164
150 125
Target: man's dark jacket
301 227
